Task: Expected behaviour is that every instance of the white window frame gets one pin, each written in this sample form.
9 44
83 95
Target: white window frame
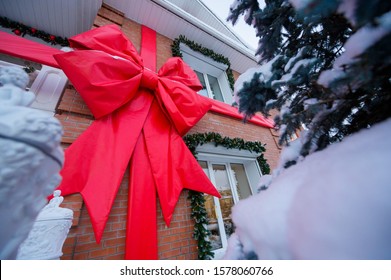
48 87
219 155
205 66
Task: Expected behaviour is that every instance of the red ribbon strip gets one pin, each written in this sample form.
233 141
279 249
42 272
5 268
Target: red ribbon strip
17 46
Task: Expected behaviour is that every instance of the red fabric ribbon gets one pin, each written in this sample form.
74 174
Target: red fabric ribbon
140 116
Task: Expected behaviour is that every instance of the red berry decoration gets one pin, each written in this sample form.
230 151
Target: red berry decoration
17 32
33 30
52 37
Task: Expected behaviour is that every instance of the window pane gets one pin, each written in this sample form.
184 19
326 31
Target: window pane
203 91
204 166
241 180
226 200
213 226
215 88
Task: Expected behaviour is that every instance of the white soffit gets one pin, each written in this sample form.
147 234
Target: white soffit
58 17
199 10
172 21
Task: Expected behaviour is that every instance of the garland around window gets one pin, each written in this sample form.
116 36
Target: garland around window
176 51
197 199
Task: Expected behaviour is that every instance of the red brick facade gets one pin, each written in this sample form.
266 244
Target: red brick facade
175 242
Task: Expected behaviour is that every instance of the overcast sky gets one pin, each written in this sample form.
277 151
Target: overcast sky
244 31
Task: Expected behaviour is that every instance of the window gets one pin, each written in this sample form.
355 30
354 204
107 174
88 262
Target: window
211 74
47 83
211 87
235 176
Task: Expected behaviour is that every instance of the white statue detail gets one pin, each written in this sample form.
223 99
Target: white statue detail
49 232
30 159
14 80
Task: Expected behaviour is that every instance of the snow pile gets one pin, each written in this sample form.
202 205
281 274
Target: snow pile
334 204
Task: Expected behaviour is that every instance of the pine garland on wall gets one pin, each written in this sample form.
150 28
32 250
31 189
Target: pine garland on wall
197 199
176 51
21 29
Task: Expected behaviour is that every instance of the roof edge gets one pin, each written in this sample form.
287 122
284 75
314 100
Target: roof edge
204 27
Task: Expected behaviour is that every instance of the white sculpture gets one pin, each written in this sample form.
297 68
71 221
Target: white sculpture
30 159
14 80
49 232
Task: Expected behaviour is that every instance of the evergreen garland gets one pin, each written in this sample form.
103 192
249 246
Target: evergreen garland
21 30
194 140
176 52
197 199
200 233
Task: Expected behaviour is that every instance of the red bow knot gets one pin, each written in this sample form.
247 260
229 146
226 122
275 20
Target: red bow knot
149 79
140 117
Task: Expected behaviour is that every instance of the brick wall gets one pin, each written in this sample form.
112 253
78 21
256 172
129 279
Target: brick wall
175 242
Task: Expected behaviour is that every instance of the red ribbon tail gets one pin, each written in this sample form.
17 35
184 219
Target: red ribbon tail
96 162
141 232
173 165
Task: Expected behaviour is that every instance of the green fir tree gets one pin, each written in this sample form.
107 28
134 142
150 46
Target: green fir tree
325 65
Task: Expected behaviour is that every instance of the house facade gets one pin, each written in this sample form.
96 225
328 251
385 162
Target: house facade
218 56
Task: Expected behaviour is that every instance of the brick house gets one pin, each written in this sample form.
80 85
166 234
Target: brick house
235 172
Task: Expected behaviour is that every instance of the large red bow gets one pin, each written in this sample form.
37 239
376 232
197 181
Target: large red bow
140 116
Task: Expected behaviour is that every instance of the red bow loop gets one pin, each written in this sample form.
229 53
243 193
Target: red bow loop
176 95
109 39
179 71
183 106
105 82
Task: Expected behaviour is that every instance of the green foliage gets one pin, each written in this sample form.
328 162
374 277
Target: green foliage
297 47
200 233
255 89
176 51
194 140
21 30
197 199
